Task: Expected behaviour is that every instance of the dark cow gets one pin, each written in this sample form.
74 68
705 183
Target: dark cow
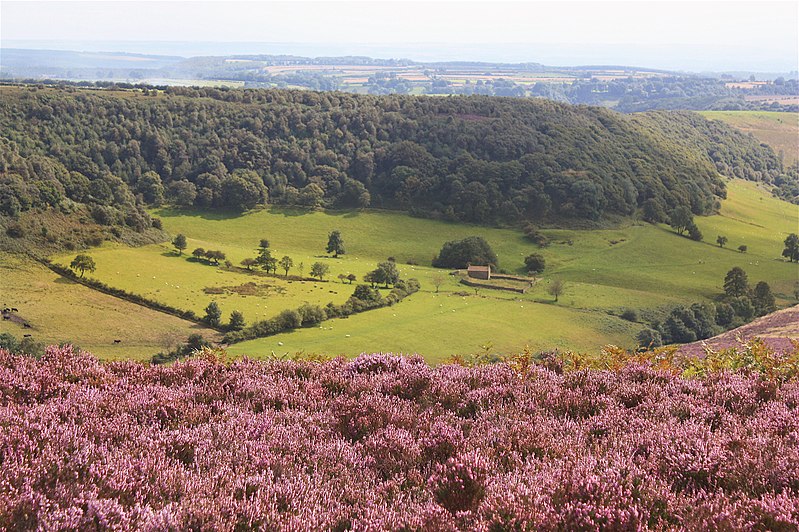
6 317
27 326
26 335
117 341
14 309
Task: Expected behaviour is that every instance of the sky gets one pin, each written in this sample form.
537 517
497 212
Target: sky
685 35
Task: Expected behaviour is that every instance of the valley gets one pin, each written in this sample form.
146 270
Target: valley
639 266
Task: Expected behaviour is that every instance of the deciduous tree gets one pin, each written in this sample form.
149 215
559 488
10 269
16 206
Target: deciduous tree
286 263
83 263
791 251
534 263
319 269
335 244
556 288
180 243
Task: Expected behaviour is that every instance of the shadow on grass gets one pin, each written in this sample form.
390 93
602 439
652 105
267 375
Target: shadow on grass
229 214
205 214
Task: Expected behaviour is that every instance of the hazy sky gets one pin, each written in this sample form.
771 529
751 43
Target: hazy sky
757 35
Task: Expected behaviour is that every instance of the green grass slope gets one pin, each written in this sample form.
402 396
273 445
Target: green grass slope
60 310
638 266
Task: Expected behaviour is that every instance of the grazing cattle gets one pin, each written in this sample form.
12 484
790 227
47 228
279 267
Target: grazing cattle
26 335
27 326
14 309
6 317
117 341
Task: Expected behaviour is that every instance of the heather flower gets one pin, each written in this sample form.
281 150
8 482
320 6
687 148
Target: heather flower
385 442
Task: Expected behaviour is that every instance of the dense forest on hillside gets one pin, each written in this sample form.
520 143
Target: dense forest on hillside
477 159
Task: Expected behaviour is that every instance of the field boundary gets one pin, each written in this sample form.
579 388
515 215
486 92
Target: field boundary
119 293
494 287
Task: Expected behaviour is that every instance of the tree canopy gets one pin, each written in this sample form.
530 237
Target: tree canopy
474 158
461 253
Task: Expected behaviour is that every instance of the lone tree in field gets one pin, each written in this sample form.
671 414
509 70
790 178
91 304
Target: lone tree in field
791 251
180 243
352 277
556 288
264 243
198 253
534 263
742 248
286 264
736 282
721 240
319 270
236 322
83 263
213 315
437 280
248 263
335 244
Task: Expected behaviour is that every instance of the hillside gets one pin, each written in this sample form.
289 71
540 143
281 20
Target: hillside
384 442
777 330
59 310
475 159
639 266
778 130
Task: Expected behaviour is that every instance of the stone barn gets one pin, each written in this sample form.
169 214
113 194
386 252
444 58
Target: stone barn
479 272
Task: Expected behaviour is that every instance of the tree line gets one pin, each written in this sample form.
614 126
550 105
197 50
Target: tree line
477 159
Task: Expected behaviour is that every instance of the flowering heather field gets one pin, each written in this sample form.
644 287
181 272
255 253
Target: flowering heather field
383 442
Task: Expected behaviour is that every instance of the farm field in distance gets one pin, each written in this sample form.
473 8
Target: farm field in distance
60 310
639 266
779 130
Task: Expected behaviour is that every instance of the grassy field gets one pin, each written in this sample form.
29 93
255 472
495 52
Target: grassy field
779 130
639 266
60 310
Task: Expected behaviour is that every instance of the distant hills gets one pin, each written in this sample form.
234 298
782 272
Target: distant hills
625 88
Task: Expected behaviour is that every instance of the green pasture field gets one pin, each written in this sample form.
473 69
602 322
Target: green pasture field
60 310
639 266
777 129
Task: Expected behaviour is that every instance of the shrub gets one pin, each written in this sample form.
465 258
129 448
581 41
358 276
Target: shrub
630 315
649 338
15 230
